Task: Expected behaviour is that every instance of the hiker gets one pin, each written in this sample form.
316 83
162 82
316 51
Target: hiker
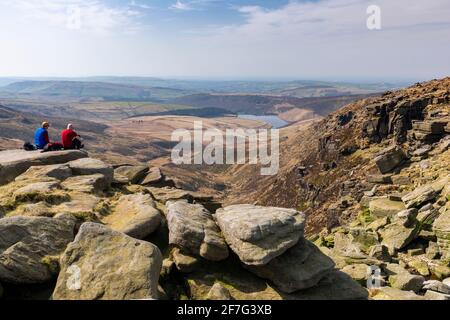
41 136
42 141
70 139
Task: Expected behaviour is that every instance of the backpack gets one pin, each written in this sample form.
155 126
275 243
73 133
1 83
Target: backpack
28 146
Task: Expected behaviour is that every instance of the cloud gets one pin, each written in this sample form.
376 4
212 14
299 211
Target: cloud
133 3
181 6
189 5
83 15
340 16
328 38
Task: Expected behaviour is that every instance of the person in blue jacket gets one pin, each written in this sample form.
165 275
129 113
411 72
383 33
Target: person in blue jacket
41 136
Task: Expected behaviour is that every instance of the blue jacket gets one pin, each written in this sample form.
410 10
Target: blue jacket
41 138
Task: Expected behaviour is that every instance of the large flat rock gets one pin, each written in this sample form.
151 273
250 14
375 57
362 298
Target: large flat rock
95 183
102 264
131 174
135 215
385 207
15 162
89 166
259 234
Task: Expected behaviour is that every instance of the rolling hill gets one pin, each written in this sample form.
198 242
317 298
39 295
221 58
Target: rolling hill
91 91
265 104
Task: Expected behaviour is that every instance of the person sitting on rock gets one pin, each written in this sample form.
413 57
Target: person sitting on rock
41 138
70 139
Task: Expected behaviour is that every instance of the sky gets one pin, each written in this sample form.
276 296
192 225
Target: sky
226 39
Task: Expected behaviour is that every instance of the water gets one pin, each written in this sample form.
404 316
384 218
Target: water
274 121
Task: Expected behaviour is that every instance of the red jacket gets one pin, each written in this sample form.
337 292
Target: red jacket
67 137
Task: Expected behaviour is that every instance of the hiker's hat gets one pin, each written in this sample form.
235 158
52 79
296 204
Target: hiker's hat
45 124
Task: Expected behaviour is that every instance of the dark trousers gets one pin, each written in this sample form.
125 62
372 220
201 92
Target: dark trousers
76 144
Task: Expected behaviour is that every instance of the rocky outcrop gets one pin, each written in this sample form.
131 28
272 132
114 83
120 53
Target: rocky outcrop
374 176
135 215
311 266
15 162
192 228
25 242
267 239
102 264
259 234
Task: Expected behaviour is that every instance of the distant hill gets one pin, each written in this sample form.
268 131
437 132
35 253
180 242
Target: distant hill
115 98
296 88
265 104
89 110
193 112
91 91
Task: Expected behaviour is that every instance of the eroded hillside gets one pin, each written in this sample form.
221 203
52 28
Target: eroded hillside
329 160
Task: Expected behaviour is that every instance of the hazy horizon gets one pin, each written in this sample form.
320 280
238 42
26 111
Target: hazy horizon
343 79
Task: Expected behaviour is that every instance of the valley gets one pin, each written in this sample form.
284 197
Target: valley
130 119
361 186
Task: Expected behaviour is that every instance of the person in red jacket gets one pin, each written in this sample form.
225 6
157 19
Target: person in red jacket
71 139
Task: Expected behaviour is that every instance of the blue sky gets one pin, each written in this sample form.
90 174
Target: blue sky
225 39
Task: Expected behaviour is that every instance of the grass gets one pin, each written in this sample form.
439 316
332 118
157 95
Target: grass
52 262
365 217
